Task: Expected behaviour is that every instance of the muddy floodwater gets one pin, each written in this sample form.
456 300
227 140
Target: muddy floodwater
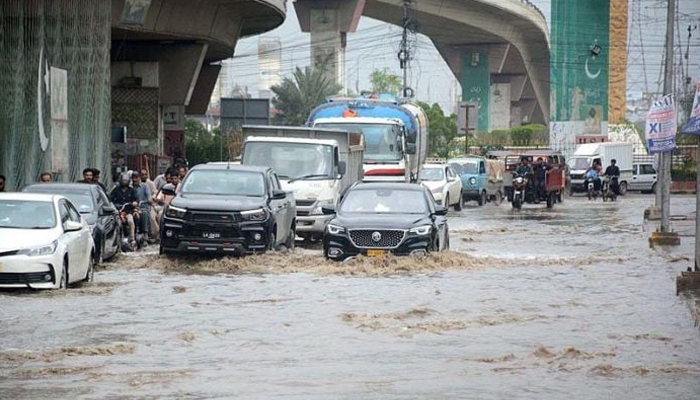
537 304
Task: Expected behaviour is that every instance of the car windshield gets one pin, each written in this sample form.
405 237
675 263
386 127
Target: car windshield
466 167
291 160
224 183
382 141
83 202
431 174
579 163
383 201
23 214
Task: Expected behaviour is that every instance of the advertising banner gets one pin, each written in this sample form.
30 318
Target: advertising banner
692 126
661 126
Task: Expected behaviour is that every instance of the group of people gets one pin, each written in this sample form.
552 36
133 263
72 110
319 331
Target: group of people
144 198
538 172
593 173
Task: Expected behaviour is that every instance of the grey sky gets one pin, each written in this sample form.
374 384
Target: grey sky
375 44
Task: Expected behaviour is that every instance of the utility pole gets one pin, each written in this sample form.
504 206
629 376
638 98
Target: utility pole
410 26
666 157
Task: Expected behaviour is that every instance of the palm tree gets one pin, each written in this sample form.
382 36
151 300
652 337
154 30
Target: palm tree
295 98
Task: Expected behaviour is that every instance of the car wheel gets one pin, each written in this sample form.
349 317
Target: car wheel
447 241
458 204
482 198
653 188
289 244
90 274
623 188
63 285
446 202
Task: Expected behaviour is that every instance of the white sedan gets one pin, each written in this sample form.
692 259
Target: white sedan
444 184
44 242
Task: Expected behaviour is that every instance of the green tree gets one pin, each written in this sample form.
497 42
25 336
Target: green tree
295 97
201 145
442 138
385 82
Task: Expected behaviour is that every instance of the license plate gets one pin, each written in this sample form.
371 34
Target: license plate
211 235
375 253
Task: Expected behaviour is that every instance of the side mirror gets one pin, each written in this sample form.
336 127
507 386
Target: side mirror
279 194
108 210
72 226
168 190
410 148
328 210
342 168
440 210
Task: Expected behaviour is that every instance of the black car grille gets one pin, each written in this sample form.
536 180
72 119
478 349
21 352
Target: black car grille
576 176
387 238
305 203
220 218
302 213
22 278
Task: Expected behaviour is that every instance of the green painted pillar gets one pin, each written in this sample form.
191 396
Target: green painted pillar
476 81
579 77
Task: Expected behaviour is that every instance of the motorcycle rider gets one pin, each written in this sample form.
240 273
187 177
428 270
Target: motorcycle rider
613 171
125 194
143 194
525 170
593 174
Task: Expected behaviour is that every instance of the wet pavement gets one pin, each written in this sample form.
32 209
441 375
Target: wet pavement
545 304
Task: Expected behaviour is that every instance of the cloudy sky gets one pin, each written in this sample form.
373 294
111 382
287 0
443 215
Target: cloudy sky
375 44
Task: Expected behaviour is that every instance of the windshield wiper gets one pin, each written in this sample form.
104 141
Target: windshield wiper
298 178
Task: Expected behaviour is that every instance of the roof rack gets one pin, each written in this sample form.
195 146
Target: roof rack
435 160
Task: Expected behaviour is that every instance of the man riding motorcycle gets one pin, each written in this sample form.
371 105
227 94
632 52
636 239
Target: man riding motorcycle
613 173
593 174
125 195
540 173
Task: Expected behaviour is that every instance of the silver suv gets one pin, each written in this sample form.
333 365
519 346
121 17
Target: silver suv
643 178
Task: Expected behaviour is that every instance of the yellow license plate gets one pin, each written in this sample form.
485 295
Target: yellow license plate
375 253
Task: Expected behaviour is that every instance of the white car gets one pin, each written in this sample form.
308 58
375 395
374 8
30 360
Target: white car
44 242
444 184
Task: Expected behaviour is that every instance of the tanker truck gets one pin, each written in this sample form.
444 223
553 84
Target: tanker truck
395 134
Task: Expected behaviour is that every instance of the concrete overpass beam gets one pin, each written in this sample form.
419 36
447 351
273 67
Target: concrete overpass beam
329 22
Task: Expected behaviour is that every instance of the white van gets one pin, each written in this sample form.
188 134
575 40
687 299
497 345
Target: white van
643 177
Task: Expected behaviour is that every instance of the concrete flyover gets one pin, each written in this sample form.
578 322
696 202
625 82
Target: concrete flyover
497 49
169 50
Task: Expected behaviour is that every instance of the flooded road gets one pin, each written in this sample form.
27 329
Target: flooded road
543 304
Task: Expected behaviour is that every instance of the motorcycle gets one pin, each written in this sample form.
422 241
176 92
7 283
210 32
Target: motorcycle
609 188
520 184
140 236
589 183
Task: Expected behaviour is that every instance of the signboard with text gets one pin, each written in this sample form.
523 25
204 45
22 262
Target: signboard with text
661 126
692 126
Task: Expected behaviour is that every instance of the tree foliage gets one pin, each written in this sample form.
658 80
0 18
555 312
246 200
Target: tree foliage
385 82
443 131
295 97
202 146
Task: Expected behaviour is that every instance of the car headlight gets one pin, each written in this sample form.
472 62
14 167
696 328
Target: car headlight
472 181
254 215
421 230
318 206
335 229
41 250
174 212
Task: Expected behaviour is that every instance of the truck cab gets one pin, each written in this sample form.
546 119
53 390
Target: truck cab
474 176
316 165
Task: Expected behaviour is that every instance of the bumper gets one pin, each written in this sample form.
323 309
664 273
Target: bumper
235 239
312 224
471 193
40 272
577 185
339 247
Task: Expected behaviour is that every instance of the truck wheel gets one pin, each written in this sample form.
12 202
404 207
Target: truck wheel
653 188
623 188
482 198
458 205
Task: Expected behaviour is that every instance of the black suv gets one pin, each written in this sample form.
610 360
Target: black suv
227 208
374 219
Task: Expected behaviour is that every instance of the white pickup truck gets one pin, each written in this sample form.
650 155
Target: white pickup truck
317 165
